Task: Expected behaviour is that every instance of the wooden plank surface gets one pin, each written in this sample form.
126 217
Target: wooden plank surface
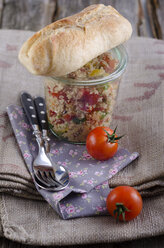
1 9
153 7
147 18
160 15
66 8
27 14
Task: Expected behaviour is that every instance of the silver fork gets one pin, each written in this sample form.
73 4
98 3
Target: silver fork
48 174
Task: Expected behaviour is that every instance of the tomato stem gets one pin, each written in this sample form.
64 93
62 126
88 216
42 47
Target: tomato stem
112 137
120 210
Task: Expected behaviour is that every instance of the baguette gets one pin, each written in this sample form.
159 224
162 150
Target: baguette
67 44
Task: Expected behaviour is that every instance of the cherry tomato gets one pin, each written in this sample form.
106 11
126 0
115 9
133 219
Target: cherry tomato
52 113
124 203
102 143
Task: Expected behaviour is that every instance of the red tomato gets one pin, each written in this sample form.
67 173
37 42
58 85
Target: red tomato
68 117
59 121
124 203
52 113
102 143
88 100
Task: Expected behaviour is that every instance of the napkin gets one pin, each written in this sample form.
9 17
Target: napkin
88 187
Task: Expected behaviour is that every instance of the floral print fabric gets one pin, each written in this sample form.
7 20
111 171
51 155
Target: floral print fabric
88 187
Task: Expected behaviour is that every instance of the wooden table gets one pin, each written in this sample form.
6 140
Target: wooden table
146 17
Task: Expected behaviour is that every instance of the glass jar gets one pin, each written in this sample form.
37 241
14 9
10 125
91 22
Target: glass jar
76 106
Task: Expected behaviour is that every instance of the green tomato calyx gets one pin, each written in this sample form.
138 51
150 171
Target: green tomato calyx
112 137
120 210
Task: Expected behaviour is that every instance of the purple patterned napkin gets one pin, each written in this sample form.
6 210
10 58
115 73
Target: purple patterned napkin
88 188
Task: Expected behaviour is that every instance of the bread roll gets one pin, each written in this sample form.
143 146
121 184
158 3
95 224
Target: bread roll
67 44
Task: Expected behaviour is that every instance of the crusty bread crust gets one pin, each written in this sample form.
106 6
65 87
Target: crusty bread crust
67 44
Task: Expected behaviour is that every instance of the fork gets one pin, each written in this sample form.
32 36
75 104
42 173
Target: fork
47 173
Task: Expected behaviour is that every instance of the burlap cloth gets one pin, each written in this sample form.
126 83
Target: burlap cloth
24 215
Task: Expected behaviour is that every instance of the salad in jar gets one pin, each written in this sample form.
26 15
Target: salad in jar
74 109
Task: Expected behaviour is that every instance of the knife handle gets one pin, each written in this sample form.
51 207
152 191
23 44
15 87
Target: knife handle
29 108
41 112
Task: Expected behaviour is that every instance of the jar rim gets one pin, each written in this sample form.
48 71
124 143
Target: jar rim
120 52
